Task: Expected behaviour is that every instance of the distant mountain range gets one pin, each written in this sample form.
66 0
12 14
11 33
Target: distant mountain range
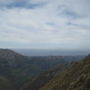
51 52
18 72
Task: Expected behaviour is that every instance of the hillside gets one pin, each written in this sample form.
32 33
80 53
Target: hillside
75 78
43 78
16 69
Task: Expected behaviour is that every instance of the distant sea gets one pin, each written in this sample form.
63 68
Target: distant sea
51 52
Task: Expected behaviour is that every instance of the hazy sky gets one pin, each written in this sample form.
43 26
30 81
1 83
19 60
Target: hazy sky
51 24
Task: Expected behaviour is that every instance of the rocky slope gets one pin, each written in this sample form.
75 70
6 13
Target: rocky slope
17 70
75 78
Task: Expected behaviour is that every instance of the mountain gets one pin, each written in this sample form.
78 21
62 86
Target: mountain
5 84
10 54
16 69
75 78
43 78
51 52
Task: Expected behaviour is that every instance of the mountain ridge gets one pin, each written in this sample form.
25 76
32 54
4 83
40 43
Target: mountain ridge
18 69
75 78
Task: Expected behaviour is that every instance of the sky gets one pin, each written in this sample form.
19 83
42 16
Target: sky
45 24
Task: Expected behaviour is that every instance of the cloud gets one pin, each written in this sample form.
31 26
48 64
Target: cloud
54 23
21 4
